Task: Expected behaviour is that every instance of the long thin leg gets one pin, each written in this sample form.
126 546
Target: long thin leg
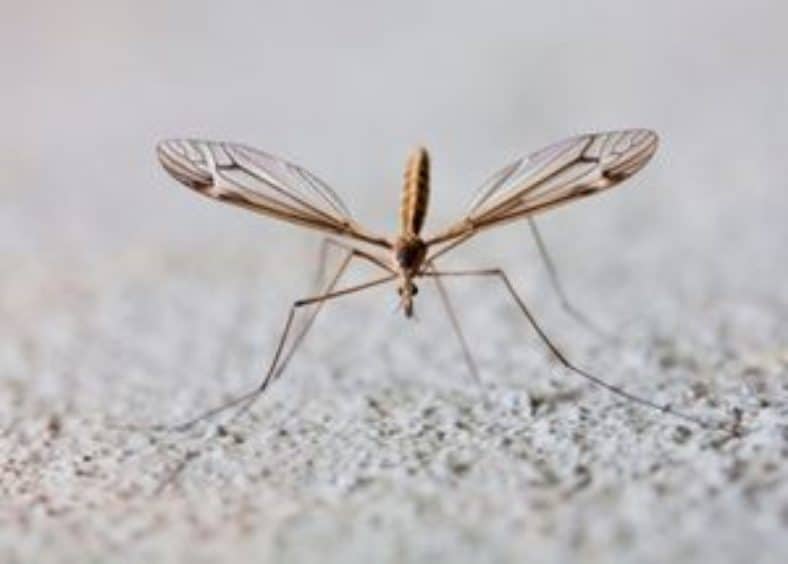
453 245
552 273
455 322
501 275
352 253
558 287
274 371
275 368
323 256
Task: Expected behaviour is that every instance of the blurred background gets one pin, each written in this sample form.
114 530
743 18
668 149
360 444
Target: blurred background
126 298
348 88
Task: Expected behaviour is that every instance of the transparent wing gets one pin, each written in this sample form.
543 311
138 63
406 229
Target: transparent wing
560 173
250 178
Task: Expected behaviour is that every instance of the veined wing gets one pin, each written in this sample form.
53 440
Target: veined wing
560 173
250 178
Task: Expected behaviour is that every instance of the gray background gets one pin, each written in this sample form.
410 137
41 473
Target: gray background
126 300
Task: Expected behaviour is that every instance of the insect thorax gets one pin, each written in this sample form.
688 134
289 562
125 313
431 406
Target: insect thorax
415 193
409 254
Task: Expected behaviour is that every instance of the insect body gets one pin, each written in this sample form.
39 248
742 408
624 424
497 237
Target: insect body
558 174
409 249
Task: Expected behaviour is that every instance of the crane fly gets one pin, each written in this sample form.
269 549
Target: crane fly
561 173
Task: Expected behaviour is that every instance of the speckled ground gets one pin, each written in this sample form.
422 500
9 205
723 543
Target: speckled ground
377 446
127 302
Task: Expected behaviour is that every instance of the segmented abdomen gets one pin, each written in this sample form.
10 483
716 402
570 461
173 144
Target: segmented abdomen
415 193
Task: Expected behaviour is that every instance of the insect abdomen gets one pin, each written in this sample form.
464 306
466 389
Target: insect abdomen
415 193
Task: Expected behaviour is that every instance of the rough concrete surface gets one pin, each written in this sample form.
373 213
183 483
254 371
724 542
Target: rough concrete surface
128 303
375 446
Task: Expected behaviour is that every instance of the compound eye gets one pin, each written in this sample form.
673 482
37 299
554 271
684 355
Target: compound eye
414 290
399 290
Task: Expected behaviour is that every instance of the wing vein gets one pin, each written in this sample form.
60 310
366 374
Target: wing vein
255 180
545 179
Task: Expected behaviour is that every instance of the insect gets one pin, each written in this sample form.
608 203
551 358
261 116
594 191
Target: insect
558 174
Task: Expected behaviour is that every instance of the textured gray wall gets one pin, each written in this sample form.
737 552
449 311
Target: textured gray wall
126 299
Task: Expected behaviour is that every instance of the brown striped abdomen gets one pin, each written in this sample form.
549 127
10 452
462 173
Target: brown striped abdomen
415 193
